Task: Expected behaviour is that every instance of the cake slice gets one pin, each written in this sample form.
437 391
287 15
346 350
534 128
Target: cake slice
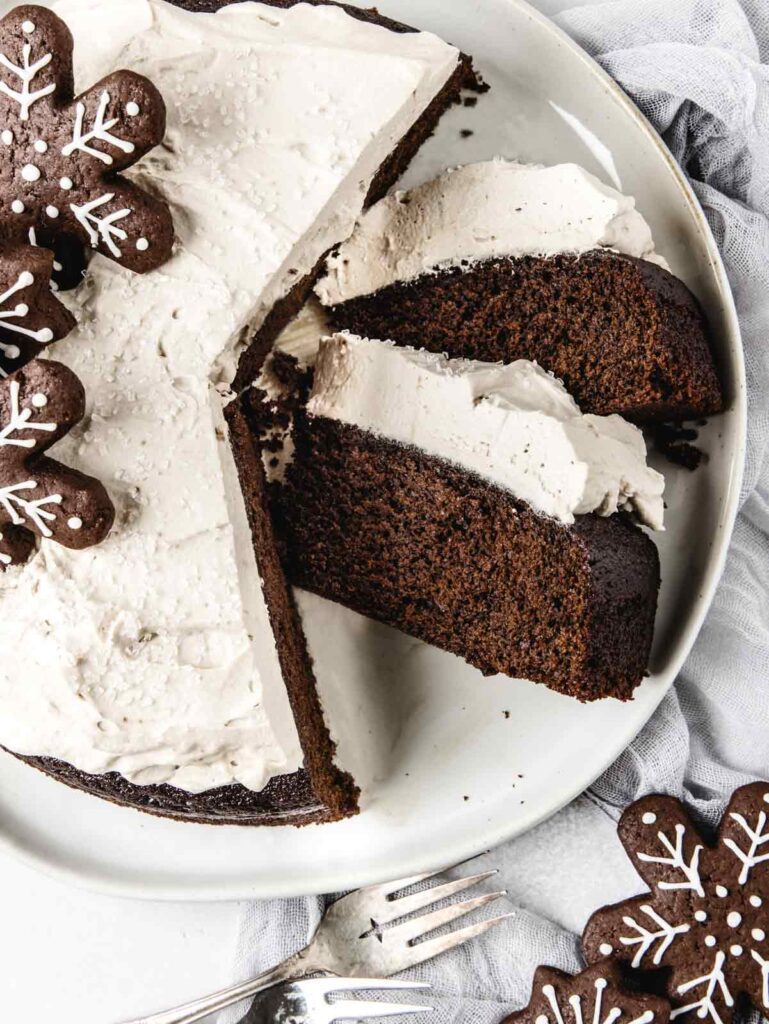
166 669
504 261
473 506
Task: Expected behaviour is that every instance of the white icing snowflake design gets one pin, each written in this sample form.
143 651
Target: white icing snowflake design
707 915
30 316
62 155
593 997
26 73
38 405
20 507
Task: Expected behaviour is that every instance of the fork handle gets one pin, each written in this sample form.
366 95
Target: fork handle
297 966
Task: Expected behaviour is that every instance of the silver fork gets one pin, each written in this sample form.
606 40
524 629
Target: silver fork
351 942
309 1002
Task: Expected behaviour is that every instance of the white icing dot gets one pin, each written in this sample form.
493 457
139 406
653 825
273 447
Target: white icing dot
734 920
605 949
17 206
66 184
735 950
11 351
28 26
39 400
75 523
7 137
649 818
45 335
756 901
700 915
766 798
142 244
132 109
542 1019
26 278
41 146
52 212
758 934
710 940
30 173
722 891
22 309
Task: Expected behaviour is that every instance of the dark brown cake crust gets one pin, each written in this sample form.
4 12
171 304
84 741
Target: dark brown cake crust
445 556
335 788
624 335
285 800
288 799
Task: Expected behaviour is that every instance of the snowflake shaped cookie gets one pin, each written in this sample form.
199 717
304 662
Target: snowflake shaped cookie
30 316
60 156
595 996
39 404
706 918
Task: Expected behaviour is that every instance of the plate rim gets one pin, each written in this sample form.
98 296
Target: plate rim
264 888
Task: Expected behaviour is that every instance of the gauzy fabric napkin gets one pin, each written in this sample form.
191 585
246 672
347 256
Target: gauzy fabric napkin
697 69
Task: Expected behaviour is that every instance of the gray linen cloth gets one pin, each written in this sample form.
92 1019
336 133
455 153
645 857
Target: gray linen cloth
694 67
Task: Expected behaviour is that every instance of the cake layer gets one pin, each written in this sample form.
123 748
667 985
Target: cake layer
532 263
155 654
514 425
442 554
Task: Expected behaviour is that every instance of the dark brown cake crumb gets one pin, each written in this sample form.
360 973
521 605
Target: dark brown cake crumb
445 556
271 414
673 442
624 335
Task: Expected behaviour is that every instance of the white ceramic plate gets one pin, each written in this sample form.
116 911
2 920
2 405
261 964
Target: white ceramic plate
451 763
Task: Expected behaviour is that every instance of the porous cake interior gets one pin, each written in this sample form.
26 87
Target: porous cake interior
427 547
623 334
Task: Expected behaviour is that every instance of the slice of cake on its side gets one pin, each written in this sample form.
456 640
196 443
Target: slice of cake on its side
470 505
166 669
501 261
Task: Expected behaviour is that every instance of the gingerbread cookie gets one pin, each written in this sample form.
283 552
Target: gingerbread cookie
30 315
595 996
706 918
60 156
39 404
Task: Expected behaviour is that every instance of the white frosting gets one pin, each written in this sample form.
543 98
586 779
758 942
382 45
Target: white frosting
513 424
478 212
151 654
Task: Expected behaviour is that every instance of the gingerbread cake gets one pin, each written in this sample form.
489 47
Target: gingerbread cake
473 506
501 261
168 668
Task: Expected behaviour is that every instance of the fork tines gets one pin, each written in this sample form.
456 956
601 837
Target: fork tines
406 940
323 1010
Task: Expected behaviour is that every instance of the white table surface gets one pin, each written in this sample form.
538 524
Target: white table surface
73 957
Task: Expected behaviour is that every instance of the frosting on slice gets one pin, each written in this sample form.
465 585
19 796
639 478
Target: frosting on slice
514 425
152 654
478 212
